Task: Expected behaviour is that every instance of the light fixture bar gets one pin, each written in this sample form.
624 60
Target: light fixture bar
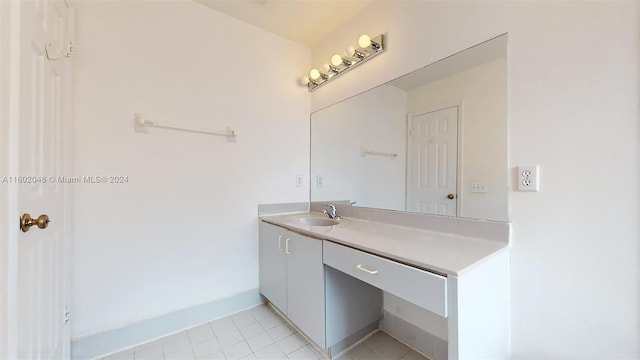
375 46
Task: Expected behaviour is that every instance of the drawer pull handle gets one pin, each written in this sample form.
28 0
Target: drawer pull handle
372 272
286 246
280 242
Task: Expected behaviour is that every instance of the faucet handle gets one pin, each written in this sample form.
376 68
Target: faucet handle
332 212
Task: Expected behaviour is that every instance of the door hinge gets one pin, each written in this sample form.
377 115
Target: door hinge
53 53
71 48
67 315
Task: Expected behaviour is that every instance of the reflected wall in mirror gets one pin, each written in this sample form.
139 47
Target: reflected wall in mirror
433 141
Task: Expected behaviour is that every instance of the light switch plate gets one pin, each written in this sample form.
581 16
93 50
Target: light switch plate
299 180
478 188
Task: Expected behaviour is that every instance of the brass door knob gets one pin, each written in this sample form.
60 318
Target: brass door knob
451 196
26 222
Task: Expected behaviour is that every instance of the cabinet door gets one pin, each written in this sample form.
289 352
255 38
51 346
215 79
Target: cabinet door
305 286
273 265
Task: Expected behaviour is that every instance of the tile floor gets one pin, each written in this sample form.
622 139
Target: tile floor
257 333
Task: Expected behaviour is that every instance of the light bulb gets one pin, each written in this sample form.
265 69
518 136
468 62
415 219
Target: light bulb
336 60
364 41
314 74
350 51
325 67
304 80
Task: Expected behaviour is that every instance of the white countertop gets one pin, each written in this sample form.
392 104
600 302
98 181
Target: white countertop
440 252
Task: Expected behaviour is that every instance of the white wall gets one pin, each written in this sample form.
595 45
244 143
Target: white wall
376 121
481 93
573 109
183 231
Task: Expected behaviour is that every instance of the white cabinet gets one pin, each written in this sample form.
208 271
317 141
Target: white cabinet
273 265
331 289
292 278
305 285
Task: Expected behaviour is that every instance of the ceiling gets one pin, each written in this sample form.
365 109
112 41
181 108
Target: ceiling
307 22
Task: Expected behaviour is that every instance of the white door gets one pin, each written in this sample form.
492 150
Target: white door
432 162
38 297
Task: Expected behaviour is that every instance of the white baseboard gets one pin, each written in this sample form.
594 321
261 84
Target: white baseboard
112 341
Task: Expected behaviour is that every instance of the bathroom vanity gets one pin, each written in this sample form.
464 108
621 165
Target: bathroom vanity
328 279
431 142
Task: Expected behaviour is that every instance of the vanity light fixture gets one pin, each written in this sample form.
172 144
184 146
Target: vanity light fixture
366 43
338 60
353 57
352 52
330 69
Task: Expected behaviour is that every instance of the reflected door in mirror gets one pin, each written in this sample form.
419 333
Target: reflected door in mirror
432 163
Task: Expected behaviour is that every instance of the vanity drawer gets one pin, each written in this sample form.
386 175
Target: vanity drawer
420 287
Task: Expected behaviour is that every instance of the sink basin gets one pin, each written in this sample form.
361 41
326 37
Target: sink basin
317 221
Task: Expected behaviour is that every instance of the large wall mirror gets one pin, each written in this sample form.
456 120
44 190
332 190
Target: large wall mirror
432 141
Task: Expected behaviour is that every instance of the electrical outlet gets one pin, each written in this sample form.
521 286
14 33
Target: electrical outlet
528 178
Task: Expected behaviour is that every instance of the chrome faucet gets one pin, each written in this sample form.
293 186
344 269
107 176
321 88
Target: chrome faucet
332 212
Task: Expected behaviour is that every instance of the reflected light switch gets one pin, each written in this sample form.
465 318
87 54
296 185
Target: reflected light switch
478 188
